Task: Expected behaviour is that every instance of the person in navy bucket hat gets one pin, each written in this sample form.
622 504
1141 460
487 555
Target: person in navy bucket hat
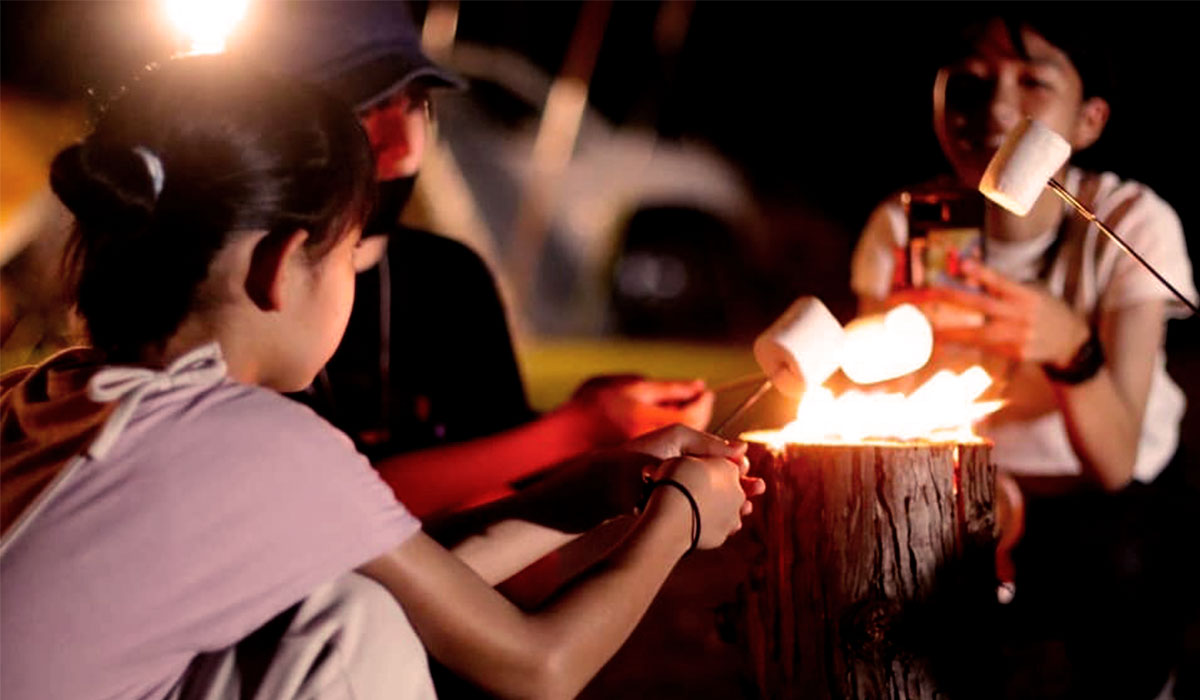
444 418
363 52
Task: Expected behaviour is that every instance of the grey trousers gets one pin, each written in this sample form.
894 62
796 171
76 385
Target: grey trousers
349 639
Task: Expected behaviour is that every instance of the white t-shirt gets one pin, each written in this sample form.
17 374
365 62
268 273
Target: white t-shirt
1093 275
217 507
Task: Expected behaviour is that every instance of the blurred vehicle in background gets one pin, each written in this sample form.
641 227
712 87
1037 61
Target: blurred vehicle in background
643 236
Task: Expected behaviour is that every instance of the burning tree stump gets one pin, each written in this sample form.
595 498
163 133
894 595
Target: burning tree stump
865 561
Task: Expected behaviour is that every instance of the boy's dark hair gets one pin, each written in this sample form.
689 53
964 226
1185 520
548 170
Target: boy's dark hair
1084 42
234 151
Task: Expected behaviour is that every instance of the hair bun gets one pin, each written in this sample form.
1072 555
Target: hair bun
106 188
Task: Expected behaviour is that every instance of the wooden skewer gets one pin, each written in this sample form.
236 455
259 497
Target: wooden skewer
743 407
739 383
1087 214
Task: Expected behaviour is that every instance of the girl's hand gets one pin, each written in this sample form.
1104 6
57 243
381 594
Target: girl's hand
680 440
1023 322
720 488
603 484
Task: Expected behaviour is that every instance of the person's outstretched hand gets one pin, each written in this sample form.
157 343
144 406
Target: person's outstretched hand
620 407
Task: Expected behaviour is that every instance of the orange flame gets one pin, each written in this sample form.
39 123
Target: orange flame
943 409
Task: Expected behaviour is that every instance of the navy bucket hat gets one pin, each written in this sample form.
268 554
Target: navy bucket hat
363 52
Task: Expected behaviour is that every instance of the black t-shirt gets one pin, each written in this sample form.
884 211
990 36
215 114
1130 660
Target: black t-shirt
440 368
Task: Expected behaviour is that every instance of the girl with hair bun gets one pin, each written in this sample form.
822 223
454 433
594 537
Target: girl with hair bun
162 502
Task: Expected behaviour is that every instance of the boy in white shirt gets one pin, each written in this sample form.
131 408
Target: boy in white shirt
1076 328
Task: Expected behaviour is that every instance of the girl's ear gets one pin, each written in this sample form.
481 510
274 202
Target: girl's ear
274 260
1093 116
369 252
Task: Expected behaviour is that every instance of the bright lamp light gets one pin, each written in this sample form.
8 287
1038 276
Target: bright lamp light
205 23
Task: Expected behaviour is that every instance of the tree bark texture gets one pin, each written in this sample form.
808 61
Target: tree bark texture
865 561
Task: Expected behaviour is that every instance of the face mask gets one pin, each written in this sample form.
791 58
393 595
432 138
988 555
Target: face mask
393 195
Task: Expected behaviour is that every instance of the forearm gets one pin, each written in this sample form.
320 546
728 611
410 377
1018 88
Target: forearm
1103 428
600 612
552 653
505 548
438 479
1104 414
574 497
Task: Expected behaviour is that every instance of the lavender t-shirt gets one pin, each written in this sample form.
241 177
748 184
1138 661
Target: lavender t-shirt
216 509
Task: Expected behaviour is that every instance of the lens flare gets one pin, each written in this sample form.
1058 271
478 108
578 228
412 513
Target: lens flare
206 24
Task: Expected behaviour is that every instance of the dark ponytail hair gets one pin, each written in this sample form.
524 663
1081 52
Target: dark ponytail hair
193 153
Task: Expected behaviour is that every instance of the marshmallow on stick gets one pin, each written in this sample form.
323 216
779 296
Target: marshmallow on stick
1030 155
885 346
1026 163
806 345
802 348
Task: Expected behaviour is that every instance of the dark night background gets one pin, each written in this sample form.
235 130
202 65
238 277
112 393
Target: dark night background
825 107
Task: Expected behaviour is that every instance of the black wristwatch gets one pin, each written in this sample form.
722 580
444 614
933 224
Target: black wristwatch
1083 366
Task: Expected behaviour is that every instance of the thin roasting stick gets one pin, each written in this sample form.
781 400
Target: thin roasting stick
743 407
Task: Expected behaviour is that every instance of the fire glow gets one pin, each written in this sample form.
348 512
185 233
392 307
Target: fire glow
943 409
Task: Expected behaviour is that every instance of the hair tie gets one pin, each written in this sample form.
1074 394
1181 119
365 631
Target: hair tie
650 485
154 166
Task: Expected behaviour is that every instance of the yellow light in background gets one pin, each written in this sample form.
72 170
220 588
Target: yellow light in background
205 23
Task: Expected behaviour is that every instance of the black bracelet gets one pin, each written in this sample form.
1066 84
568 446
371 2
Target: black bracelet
1083 366
651 485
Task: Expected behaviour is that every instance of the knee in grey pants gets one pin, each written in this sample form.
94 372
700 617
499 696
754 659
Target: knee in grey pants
348 639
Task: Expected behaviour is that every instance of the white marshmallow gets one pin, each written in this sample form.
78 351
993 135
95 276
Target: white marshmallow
802 348
1030 155
886 346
